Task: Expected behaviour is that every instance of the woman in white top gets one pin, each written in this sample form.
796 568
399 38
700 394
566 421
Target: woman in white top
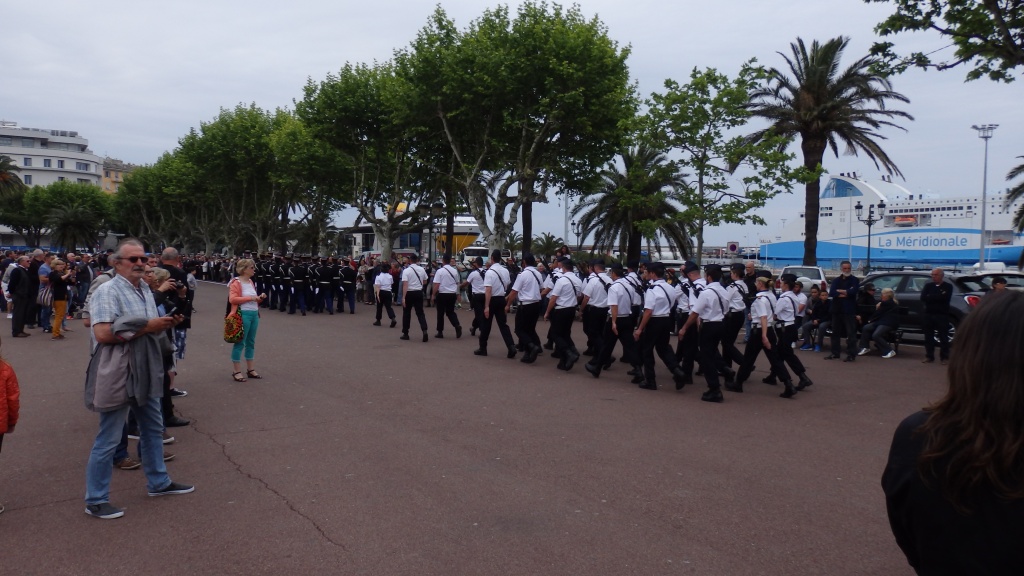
383 289
243 297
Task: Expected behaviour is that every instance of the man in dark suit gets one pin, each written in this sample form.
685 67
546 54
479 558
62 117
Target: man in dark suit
23 295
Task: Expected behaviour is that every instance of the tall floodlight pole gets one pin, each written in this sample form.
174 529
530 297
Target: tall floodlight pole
985 133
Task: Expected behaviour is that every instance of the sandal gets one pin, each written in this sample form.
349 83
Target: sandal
252 374
238 377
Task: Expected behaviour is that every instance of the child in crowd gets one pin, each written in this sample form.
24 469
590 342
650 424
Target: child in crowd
9 402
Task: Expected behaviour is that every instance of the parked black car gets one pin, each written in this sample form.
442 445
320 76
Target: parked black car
967 292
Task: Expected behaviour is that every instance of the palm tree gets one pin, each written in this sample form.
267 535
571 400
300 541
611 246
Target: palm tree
9 180
546 245
513 241
73 226
824 105
640 202
1017 193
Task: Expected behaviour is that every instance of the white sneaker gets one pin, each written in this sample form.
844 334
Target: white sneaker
863 351
891 354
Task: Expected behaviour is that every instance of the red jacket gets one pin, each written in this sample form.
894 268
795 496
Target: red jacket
10 395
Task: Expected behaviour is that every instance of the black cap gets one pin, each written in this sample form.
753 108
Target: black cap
998 280
597 262
634 264
617 267
869 286
689 266
790 278
656 267
479 261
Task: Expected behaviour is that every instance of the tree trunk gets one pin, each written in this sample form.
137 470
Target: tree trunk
633 247
813 148
449 231
526 188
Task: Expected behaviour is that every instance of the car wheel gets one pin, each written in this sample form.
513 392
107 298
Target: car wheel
952 330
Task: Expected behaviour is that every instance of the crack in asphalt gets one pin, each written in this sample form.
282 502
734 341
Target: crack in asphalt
269 488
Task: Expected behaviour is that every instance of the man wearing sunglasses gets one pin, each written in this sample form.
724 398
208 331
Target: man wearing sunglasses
125 323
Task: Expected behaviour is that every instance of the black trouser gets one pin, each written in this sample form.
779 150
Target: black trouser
624 326
385 302
526 324
688 348
348 293
324 297
413 301
709 339
936 326
446 307
22 306
730 353
298 297
753 348
844 324
786 354
655 337
594 327
286 295
476 304
561 329
497 314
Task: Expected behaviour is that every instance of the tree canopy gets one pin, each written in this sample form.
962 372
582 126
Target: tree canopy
988 35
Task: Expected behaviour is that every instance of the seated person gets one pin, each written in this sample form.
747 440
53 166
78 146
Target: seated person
885 319
865 303
819 318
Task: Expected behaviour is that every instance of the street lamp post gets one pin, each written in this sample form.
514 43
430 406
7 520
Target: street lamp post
985 133
870 221
576 231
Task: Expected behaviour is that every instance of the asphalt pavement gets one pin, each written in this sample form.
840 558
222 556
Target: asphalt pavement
359 453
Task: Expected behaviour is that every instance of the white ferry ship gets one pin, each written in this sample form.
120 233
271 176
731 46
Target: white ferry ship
916 228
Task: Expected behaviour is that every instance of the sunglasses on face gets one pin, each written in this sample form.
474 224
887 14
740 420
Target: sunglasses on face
135 259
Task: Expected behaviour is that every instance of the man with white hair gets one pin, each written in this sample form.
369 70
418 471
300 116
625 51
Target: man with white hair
936 297
125 324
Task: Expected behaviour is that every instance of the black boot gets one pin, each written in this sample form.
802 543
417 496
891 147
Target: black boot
608 364
770 379
713 395
571 356
734 386
595 371
790 390
804 382
681 378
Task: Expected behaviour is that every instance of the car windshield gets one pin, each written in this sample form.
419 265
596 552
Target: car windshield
973 284
805 272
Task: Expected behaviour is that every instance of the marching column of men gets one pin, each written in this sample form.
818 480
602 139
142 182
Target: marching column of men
633 306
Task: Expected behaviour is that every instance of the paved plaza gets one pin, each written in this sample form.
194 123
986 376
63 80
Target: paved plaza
359 453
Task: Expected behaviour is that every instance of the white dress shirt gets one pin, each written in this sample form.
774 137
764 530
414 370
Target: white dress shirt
527 285
414 277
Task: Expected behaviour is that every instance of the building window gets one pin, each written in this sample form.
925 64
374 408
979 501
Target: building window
61 178
28 142
46 163
6 140
106 173
62 146
83 166
28 179
83 181
60 163
26 162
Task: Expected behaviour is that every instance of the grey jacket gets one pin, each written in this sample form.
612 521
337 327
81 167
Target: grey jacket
126 372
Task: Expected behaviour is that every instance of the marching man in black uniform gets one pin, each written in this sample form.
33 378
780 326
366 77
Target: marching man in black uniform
595 306
475 284
414 280
348 286
526 289
619 324
763 337
562 302
711 307
299 280
446 292
655 327
496 282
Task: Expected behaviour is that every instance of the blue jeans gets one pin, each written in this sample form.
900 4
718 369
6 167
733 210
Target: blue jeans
151 448
45 313
250 322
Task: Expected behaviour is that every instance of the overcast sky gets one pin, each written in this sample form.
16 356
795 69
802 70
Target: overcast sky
133 77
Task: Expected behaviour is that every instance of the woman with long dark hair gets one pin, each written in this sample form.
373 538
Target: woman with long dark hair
954 483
